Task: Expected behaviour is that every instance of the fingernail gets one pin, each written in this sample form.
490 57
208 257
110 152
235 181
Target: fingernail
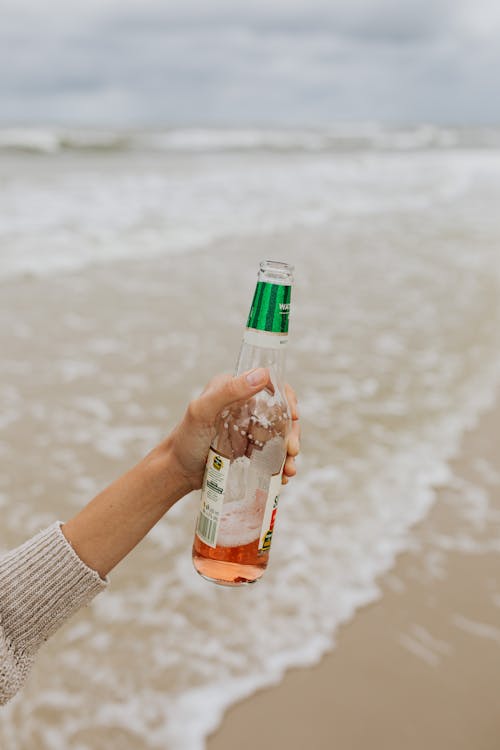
256 377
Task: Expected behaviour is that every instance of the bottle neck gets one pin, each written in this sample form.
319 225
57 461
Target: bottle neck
270 308
266 333
252 356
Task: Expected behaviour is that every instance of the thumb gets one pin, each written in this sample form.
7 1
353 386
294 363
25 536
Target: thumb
224 391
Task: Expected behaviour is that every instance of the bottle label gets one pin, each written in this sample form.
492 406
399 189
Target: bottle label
270 511
253 518
270 308
212 497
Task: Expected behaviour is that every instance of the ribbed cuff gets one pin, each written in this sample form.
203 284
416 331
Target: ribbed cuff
42 583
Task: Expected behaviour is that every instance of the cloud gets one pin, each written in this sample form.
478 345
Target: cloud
290 61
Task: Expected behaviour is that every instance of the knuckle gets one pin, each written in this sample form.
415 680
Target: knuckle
214 382
193 410
232 389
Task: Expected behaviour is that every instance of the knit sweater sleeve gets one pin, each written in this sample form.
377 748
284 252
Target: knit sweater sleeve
42 583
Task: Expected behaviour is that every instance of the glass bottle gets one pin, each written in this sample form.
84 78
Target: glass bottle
242 481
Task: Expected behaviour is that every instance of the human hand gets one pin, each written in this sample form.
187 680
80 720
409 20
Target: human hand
293 442
190 441
108 527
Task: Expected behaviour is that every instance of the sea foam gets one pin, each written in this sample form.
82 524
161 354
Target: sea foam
393 350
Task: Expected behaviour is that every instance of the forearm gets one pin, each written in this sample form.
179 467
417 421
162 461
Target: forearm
116 520
46 580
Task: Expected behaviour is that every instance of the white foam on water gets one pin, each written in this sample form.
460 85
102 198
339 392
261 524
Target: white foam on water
209 653
89 211
394 352
353 136
424 646
479 629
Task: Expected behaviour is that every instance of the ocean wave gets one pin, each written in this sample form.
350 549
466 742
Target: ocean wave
97 210
394 351
338 138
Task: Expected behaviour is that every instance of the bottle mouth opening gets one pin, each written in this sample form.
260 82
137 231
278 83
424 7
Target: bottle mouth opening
277 271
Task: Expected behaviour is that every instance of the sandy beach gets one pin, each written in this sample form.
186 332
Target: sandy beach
159 164
421 666
125 286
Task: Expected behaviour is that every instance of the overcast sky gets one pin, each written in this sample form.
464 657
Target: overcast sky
237 62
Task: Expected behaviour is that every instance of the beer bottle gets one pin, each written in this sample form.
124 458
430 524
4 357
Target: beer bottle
242 480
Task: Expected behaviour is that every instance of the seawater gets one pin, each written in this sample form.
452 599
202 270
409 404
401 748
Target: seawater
127 267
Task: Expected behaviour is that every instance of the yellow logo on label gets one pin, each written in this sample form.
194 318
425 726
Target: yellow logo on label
266 544
217 463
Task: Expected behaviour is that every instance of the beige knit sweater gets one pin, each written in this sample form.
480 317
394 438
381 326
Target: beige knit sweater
42 583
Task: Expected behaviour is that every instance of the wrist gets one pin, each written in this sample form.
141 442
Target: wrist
168 472
106 529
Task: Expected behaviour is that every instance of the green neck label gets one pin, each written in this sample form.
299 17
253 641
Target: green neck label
270 308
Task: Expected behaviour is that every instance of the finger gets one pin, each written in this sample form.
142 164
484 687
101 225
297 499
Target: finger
292 400
224 390
293 443
289 469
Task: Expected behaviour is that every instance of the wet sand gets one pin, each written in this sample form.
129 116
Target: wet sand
94 395
421 666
